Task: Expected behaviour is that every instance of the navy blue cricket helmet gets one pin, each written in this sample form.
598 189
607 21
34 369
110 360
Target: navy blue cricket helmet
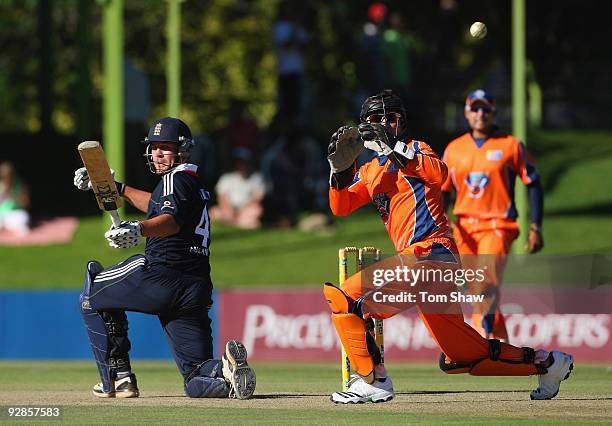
169 129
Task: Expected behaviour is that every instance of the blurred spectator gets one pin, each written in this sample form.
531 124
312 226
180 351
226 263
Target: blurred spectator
290 38
398 48
206 156
370 59
295 171
14 201
242 132
240 194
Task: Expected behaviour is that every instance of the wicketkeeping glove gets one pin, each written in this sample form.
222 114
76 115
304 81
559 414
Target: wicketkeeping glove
375 137
344 148
81 179
128 234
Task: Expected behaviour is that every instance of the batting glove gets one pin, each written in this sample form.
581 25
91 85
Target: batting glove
126 235
375 137
81 179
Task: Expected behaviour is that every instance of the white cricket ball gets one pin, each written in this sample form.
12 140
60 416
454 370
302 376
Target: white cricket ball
478 30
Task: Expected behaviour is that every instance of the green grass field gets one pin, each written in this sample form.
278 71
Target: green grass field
575 167
299 394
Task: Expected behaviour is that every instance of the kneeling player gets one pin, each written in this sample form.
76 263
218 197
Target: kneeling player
172 280
404 181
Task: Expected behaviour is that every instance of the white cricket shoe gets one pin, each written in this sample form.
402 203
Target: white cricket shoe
126 387
237 372
549 382
360 391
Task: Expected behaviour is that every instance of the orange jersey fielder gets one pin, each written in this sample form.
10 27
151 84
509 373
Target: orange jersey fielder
409 200
484 176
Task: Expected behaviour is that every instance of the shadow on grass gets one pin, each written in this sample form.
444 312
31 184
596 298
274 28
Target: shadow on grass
164 396
557 152
420 393
450 392
601 209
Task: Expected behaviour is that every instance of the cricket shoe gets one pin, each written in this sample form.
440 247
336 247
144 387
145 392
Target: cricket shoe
360 391
559 370
237 372
126 387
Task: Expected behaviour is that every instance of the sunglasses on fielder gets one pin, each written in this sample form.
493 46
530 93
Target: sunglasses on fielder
484 108
390 117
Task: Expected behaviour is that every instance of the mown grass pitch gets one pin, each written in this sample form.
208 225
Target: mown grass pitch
299 394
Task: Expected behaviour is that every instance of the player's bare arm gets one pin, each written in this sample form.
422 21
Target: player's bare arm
163 225
535 240
136 197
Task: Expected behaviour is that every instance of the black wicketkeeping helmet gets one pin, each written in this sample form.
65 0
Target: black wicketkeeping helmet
383 103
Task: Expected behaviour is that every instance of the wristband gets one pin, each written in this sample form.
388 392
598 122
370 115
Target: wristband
535 227
342 179
120 188
404 150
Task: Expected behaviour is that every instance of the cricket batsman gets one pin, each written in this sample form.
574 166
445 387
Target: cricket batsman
404 181
171 280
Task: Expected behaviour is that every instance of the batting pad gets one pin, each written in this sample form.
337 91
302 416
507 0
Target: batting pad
96 328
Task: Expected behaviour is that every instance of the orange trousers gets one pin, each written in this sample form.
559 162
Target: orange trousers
456 339
491 241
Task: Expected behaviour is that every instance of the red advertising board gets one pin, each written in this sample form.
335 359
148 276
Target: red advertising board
296 325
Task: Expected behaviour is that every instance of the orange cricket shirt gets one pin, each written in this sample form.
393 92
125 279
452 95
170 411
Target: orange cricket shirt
409 200
484 177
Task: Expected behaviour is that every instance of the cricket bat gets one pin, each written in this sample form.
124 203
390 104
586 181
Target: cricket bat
102 181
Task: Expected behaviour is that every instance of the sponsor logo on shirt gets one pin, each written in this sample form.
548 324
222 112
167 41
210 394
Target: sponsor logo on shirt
494 154
381 200
476 183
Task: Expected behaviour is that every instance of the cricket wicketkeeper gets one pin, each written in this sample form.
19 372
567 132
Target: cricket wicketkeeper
404 181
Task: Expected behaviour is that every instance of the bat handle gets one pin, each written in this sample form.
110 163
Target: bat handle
114 214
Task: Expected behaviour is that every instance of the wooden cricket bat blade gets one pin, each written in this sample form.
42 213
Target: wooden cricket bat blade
102 181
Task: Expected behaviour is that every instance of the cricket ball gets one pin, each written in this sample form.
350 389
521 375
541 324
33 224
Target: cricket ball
478 30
